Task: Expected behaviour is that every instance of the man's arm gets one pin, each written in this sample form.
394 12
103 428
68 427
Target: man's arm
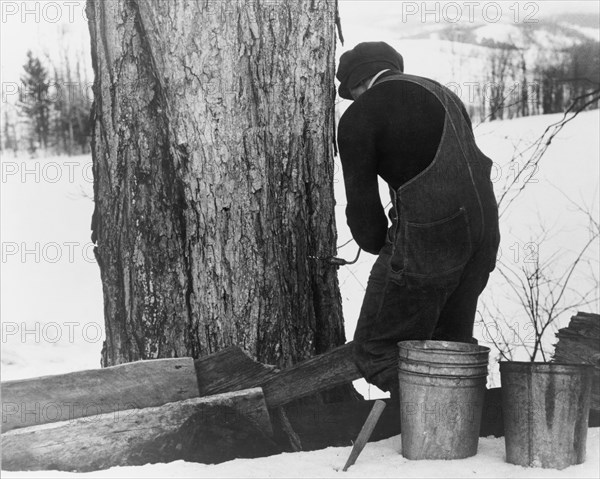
364 212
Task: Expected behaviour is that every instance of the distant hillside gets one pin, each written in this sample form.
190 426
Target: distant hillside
570 30
505 69
578 19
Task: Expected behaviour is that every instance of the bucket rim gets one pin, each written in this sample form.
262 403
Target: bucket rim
442 364
414 345
442 376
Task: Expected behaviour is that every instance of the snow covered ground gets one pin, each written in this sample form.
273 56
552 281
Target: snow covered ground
378 459
51 309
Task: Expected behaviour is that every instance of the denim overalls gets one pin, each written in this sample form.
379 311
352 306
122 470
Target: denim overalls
439 252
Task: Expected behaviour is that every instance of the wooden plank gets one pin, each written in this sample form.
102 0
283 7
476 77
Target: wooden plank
580 343
365 433
492 423
128 386
155 382
230 369
325 371
209 429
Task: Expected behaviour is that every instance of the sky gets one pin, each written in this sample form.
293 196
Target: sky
361 11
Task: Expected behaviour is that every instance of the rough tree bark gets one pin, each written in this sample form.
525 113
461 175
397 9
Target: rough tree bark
213 167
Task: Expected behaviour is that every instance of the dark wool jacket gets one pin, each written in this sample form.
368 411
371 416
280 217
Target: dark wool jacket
392 130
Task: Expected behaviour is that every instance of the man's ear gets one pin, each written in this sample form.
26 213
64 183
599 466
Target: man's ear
362 87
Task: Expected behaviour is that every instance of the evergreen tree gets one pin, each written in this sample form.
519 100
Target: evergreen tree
34 100
8 142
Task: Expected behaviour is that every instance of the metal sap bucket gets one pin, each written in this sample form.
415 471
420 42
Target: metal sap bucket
442 388
545 408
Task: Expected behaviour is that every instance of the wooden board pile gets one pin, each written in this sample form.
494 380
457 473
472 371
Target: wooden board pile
209 410
580 343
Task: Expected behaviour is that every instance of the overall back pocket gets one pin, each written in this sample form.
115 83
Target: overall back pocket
438 247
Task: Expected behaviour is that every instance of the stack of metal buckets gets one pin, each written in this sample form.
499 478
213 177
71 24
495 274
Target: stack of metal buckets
442 388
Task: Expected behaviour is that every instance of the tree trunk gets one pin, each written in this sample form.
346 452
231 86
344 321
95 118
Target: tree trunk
213 167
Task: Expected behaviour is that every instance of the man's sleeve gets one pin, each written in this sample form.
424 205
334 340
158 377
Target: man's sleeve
364 212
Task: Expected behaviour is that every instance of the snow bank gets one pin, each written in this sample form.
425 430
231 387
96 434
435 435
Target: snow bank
379 459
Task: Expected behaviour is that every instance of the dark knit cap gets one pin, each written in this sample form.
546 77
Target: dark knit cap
363 61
